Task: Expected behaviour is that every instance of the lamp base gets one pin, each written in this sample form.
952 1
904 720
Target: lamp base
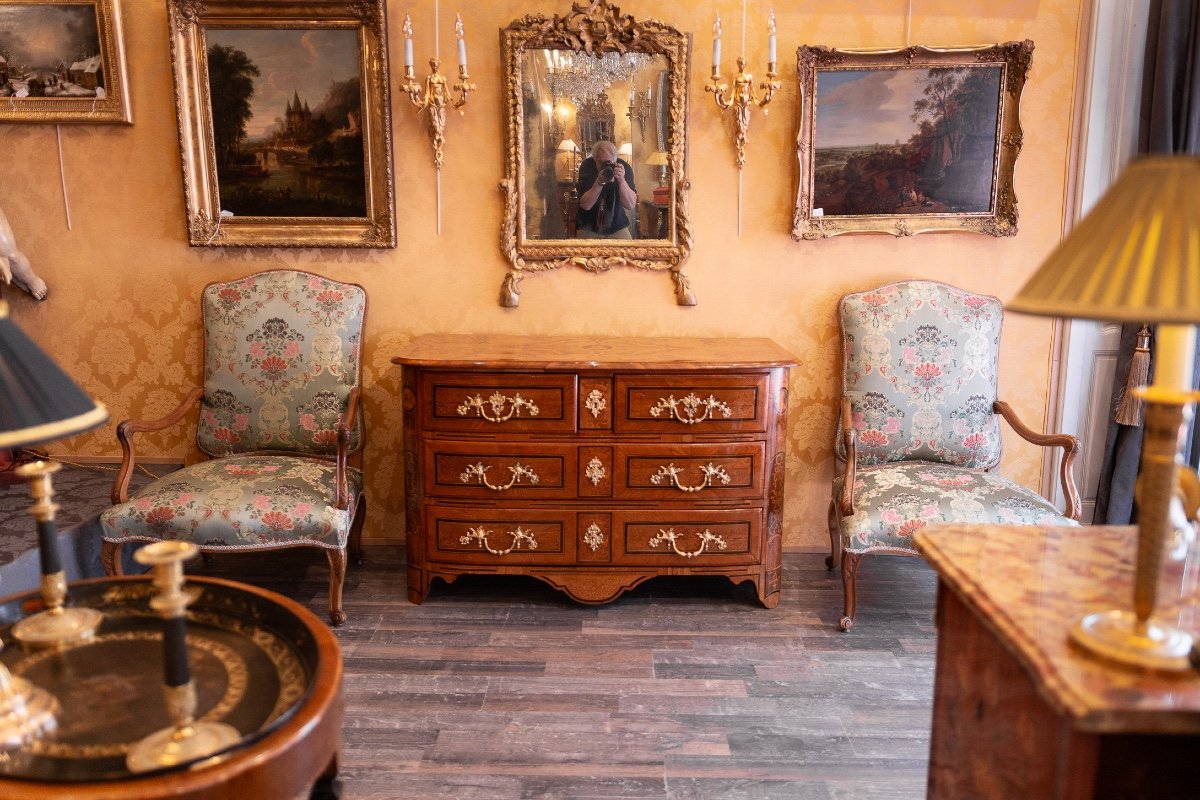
27 712
171 746
59 627
1117 636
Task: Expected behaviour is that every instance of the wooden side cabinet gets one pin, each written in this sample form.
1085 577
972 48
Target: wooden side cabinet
594 464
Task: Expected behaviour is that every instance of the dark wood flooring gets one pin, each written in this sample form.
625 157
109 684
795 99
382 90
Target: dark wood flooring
499 688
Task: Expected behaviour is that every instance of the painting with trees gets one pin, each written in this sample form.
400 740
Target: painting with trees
284 122
908 141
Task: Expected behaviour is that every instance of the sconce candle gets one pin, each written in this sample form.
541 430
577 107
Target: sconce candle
771 37
717 42
408 48
462 43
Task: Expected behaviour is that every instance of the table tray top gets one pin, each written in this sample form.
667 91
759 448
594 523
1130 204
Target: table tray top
252 662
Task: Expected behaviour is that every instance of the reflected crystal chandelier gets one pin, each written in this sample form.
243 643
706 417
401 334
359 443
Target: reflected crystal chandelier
580 76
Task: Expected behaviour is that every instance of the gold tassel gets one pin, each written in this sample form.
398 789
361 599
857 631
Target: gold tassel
1129 409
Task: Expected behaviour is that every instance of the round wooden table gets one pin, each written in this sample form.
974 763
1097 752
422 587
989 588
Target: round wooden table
260 662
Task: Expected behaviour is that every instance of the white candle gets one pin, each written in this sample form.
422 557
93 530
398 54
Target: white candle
1174 352
771 37
717 41
462 44
407 29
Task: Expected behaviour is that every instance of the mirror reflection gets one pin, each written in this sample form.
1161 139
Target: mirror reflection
596 142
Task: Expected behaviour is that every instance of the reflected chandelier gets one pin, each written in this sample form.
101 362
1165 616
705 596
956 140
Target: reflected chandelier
581 76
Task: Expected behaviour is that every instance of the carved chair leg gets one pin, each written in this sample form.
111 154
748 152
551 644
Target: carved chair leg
337 577
849 574
356 527
834 523
110 557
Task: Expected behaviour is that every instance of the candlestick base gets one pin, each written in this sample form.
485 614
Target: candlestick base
57 627
27 712
1118 636
171 746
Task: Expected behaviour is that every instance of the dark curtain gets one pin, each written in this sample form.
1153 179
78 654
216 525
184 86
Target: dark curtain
1170 123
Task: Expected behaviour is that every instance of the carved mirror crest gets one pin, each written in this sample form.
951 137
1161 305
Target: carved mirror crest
596 161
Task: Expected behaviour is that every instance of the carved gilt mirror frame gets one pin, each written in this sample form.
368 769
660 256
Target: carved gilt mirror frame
593 29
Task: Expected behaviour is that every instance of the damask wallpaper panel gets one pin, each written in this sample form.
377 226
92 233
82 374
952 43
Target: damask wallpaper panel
123 314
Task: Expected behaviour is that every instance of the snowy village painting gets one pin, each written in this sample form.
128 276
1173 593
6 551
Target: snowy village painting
62 62
907 141
284 123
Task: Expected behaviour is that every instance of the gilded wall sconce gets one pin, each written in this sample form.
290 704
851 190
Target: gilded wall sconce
435 94
743 95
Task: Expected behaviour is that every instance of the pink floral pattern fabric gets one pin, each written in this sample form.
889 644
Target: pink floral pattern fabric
282 353
894 501
920 370
240 502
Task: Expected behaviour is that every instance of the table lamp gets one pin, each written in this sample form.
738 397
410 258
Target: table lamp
659 159
569 146
39 403
1135 257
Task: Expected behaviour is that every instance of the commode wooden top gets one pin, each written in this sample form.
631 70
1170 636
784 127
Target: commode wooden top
591 352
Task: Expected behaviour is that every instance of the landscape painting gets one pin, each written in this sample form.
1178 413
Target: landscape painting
61 62
284 124
900 146
287 122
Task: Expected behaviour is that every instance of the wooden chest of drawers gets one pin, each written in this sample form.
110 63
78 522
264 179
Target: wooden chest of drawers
594 464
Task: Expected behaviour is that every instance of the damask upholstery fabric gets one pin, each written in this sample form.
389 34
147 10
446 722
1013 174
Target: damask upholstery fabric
920 369
282 353
894 501
240 502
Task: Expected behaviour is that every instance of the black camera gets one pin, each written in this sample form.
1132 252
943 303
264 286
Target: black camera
606 173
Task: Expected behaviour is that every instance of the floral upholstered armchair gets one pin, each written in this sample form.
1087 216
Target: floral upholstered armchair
919 434
279 418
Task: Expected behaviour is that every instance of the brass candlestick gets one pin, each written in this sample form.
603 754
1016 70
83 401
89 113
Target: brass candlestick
57 626
186 739
27 712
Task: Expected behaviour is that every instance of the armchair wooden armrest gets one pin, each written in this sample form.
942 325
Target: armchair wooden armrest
125 432
345 425
1066 441
849 473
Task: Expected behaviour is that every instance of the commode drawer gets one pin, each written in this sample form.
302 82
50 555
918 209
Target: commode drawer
499 536
499 402
697 403
688 537
692 472
499 471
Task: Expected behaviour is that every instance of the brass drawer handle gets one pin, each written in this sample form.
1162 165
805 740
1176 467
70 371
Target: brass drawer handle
497 402
707 537
691 404
518 471
481 535
672 472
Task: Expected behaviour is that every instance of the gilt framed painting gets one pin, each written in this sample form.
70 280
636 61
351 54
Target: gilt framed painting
909 141
62 61
283 122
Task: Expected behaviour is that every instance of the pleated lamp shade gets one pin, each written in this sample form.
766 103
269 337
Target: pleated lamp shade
38 402
1135 257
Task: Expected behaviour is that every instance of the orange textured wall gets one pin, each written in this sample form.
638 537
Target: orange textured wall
122 315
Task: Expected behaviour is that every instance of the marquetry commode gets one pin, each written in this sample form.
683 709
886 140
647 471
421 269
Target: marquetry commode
594 464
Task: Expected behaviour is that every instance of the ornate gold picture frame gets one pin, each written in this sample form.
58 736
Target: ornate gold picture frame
62 61
909 141
284 124
594 68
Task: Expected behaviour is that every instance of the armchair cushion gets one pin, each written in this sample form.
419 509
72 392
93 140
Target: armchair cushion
247 502
893 501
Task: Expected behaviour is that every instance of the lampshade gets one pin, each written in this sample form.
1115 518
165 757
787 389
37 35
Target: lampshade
569 146
657 159
1135 257
38 402
625 149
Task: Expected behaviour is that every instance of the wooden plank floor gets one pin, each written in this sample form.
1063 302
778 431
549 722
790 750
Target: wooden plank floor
685 689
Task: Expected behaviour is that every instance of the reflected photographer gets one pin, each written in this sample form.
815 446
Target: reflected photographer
606 195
